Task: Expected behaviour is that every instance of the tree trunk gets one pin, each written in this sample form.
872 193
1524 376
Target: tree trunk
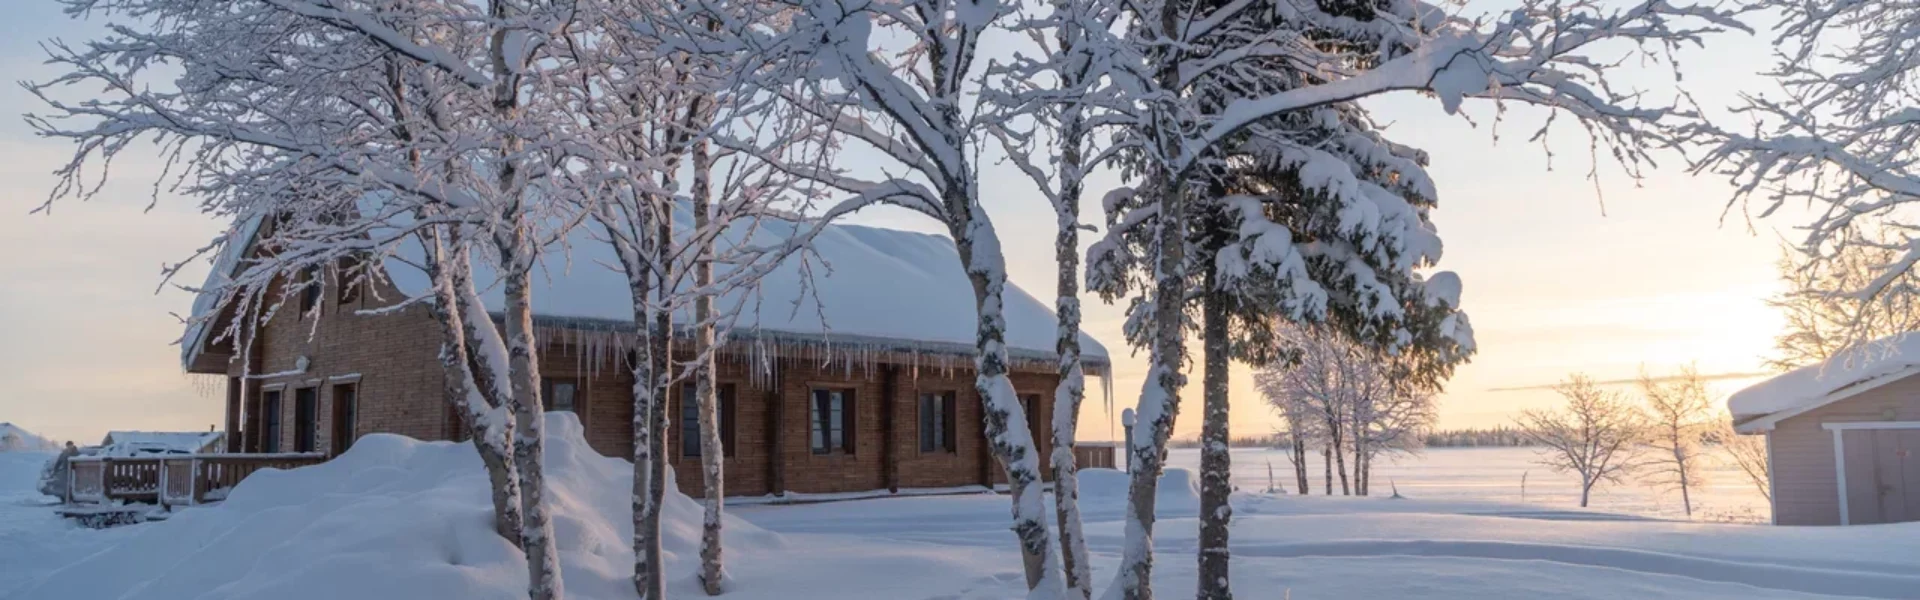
516 249
1586 489
1338 446
1300 463
1160 396
1072 389
529 448
492 437
712 454
1326 462
1008 436
654 581
1680 467
1216 479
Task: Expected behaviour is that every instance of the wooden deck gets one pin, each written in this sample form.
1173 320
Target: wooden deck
179 480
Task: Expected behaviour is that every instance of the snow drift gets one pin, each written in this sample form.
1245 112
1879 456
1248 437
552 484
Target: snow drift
1807 385
1106 489
392 518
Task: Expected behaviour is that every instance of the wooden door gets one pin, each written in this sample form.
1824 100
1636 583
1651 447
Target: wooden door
1893 462
1883 468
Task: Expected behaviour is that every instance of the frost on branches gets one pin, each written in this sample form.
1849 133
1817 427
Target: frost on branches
333 135
1209 83
1840 136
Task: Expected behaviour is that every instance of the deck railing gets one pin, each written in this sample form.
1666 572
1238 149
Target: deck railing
176 480
1093 456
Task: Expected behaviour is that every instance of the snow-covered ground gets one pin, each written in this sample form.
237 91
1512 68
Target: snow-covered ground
401 519
1495 474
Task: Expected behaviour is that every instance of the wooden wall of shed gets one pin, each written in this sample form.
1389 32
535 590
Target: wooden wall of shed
1805 488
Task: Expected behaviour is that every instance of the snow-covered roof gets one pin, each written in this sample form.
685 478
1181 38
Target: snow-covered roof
860 286
1814 385
206 301
127 443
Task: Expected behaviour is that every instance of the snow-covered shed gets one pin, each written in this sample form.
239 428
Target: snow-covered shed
1843 436
850 372
139 443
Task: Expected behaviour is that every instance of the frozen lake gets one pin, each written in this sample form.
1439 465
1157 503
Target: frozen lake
1494 474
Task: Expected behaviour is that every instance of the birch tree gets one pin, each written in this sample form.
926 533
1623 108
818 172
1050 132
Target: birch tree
1051 102
1820 323
1679 409
898 80
281 104
1838 136
1597 435
1748 453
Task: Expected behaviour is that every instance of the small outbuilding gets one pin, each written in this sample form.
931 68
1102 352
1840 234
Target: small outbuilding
1843 436
144 443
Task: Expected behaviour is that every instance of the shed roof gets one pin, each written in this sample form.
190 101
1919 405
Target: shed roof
1867 366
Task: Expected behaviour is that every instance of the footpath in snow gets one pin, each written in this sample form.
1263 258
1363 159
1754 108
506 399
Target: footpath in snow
401 519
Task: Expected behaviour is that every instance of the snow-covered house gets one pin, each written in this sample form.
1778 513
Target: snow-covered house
141 443
1843 437
852 374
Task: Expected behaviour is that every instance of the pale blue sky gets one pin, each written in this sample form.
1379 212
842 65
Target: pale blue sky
1552 285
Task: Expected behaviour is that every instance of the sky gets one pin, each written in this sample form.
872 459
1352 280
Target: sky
1563 274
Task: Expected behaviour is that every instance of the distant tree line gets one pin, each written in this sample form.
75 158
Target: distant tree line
1497 436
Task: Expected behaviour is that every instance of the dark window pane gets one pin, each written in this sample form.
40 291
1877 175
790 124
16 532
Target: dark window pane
306 412
270 422
689 420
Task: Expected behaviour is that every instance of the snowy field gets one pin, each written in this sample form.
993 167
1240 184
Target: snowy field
400 519
1495 474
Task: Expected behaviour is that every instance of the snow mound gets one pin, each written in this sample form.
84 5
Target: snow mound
20 472
1809 384
1178 494
393 518
15 439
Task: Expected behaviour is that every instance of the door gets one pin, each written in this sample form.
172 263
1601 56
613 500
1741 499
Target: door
1893 460
346 408
1882 470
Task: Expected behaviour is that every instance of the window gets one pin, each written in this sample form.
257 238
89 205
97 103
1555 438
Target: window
346 399
349 288
306 418
270 421
560 394
690 420
310 289
936 422
831 414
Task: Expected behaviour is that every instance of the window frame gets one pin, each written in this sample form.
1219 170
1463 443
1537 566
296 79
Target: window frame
948 415
310 288
578 403
306 419
270 400
729 424
849 413
339 444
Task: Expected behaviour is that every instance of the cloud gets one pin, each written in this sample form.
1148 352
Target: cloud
1662 379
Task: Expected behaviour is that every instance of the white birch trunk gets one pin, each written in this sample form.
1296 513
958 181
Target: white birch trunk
492 433
1072 388
712 452
1008 435
1159 398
